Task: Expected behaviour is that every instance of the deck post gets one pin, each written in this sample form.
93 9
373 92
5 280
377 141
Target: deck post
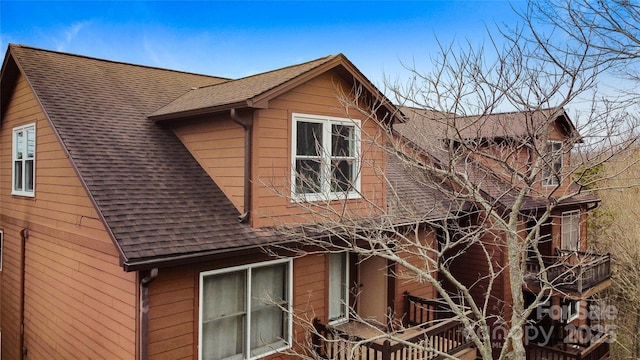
386 350
407 310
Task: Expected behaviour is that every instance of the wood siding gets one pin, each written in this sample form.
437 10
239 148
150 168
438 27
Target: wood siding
271 168
217 143
407 280
79 303
174 304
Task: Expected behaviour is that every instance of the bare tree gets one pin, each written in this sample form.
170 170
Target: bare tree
615 228
611 30
482 168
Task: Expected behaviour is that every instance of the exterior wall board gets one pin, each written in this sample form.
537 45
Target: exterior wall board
78 300
271 183
218 145
174 304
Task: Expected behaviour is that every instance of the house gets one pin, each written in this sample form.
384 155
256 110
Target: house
500 155
141 213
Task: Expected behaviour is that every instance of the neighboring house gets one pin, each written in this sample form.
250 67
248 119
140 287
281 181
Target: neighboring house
500 151
140 208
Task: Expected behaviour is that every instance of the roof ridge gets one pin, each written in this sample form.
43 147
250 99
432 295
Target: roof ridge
486 114
326 58
11 45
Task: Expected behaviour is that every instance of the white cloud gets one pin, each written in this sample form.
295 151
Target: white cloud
69 34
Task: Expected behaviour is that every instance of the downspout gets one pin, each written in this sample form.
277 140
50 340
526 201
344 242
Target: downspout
247 124
144 312
24 234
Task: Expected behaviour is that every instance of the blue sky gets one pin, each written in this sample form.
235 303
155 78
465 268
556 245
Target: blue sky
239 38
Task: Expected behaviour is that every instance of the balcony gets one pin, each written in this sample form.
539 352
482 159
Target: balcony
572 271
596 350
429 332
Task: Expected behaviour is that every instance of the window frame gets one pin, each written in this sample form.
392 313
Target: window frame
565 243
549 175
325 192
247 333
572 309
23 129
344 303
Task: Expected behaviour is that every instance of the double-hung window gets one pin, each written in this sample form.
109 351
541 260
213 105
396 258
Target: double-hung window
24 158
325 158
245 311
338 287
571 230
552 170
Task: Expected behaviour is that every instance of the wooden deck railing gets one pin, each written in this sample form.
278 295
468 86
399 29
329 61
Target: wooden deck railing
598 350
577 273
416 343
419 311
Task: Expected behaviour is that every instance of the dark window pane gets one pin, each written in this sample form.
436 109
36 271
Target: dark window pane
17 170
28 174
341 140
341 175
307 176
308 138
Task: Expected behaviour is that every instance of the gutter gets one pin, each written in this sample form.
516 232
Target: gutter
247 124
144 312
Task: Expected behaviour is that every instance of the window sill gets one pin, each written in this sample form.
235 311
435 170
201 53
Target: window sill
23 194
299 198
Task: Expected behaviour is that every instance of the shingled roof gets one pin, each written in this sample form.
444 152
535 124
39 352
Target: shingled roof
428 125
429 130
156 201
154 197
240 92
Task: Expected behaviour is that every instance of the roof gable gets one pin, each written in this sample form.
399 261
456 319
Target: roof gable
255 91
154 198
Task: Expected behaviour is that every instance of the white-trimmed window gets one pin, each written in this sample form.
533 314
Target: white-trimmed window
571 230
338 287
24 159
325 158
244 311
570 309
552 170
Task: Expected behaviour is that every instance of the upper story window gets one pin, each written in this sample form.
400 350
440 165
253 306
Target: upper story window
244 311
325 158
571 230
24 158
552 171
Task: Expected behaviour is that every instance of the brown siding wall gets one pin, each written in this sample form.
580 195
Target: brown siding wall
78 300
217 143
174 303
271 173
407 280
